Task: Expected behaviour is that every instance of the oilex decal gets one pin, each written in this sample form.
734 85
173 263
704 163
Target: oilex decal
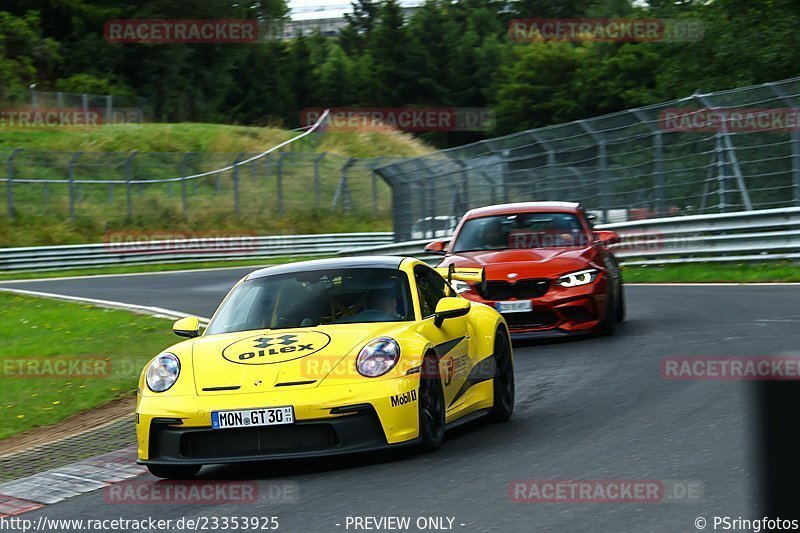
269 349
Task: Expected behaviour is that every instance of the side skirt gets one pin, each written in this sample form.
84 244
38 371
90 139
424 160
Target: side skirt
466 419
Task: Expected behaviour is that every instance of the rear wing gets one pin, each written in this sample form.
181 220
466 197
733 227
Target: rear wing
472 276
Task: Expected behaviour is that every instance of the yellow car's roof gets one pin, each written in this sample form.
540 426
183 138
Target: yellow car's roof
378 261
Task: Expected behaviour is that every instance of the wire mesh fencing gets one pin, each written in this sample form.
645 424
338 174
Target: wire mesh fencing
717 152
708 153
117 186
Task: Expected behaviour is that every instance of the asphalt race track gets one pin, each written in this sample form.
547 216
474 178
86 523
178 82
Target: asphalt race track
593 408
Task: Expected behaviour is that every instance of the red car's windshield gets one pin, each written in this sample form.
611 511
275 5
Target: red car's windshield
521 231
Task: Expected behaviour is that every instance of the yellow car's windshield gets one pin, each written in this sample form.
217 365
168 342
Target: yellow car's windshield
307 299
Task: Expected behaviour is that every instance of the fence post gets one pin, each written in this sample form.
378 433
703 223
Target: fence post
72 162
726 155
602 164
551 163
342 189
796 164
786 99
279 182
10 183
218 182
658 160
317 162
373 166
182 171
721 177
461 209
236 162
109 109
34 97
85 102
128 183
59 100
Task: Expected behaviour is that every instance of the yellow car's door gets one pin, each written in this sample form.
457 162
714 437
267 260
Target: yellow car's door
451 338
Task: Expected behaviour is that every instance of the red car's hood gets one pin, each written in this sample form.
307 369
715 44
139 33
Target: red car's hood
534 262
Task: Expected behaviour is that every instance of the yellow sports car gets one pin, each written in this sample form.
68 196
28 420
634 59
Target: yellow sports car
325 357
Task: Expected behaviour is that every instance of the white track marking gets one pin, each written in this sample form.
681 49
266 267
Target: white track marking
157 312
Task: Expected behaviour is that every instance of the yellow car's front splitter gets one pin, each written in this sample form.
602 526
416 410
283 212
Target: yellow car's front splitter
329 420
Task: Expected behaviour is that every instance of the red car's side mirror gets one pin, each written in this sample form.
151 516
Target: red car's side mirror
607 237
437 247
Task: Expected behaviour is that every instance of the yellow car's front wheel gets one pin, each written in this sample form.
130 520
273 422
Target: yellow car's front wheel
503 378
431 406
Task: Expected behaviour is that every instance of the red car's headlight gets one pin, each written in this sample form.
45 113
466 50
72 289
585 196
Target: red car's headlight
576 279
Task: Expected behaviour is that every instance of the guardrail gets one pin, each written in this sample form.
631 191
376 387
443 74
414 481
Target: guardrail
183 250
762 235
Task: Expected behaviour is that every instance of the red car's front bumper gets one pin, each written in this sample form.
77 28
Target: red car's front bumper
559 311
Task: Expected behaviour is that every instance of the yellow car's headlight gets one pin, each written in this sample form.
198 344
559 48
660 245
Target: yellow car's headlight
576 279
378 357
163 372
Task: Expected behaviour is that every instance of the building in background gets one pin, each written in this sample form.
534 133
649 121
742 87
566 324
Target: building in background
306 16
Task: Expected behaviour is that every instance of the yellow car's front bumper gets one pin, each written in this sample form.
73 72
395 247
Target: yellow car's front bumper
329 420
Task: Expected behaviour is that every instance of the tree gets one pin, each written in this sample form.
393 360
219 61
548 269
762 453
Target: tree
536 87
24 54
354 37
388 47
336 85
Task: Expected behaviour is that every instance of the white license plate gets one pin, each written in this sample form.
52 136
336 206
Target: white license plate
245 418
514 306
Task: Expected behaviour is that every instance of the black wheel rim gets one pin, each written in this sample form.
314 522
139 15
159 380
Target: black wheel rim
504 378
433 407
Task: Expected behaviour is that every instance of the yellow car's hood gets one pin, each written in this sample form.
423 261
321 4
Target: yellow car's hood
266 360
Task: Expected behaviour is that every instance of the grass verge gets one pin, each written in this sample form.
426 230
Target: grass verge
38 331
773 272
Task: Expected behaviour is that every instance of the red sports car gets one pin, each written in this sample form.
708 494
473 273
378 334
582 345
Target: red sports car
547 271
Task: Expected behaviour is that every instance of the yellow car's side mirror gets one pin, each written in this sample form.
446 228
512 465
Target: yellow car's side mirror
450 308
187 327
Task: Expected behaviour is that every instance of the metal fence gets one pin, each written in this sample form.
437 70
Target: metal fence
114 109
119 186
625 166
284 182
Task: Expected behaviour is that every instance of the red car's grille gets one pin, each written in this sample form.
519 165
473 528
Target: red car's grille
525 288
534 319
